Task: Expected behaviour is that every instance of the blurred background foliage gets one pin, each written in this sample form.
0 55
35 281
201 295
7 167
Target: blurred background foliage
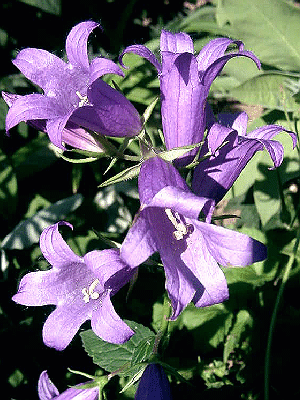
220 350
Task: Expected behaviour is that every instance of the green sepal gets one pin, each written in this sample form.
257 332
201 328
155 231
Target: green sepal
177 152
126 174
143 351
149 110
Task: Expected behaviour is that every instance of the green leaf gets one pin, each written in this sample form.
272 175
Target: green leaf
8 187
268 90
113 357
35 156
28 232
267 192
212 323
234 337
49 6
270 28
203 20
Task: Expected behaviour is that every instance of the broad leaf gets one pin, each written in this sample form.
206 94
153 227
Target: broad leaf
28 232
267 90
270 28
123 357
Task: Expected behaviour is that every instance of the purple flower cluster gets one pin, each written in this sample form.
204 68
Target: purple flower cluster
75 101
74 98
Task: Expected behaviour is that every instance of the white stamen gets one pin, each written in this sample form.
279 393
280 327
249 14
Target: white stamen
181 229
87 293
83 99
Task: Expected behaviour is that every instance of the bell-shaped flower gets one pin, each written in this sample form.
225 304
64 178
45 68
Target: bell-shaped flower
154 384
48 391
232 148
73 91
72 134
190 250
185 80
80 287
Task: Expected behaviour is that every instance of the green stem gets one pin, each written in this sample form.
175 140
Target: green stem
285 278
162 336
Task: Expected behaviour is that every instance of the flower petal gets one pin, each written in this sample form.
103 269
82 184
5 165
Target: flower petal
80 138
105 264
37 289
182 102
200 261
138 244
215 68
55 128
237 121
108 325
40 67
217 134
141 51
76 44
75 393
55 249
103 66
181 283
62 325
184 202
154 384
213 50
176 43
46 389
110 112
30 107
155 174
215 175
229 247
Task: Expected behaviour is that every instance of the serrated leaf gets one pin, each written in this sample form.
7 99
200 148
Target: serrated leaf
28 232
268 27
129 173
113 357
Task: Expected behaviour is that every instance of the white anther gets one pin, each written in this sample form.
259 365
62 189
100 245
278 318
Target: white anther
83 99
181 228
87 293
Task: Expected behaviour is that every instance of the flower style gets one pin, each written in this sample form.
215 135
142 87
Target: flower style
80 287
154 384
190 250
72 92
216 174
185 81
48 391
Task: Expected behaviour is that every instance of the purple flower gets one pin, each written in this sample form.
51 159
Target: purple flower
216 174
48 391
154 384
190 250
72 134
72 91
185 81
80 287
